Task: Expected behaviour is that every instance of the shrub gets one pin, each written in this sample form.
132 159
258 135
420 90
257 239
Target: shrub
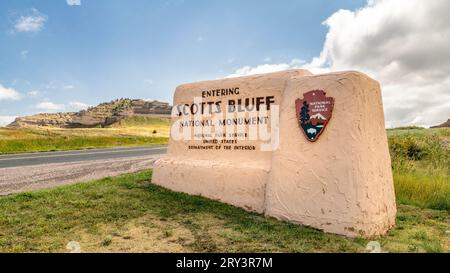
421 164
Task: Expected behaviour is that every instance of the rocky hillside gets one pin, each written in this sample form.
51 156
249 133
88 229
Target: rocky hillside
102 115
443 125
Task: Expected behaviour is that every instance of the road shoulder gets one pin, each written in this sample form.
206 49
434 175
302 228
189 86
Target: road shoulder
30 178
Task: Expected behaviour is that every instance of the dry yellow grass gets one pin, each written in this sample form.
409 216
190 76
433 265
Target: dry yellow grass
133 131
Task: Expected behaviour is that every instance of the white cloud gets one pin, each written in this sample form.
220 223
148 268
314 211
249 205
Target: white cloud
266 68
200 39
5 120
149 81
8 93
76 105
48 106
33 93
73 2
33 22
57 85
405 44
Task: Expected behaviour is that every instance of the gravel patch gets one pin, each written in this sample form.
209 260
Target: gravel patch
30 178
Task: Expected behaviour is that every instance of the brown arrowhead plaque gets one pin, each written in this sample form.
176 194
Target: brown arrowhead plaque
313 113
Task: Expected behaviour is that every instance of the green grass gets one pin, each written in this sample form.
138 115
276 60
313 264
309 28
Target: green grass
421 167
127 213
142 121
406 128
75 143
426 191
134 131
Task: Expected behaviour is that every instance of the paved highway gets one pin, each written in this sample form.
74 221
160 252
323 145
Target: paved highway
30 159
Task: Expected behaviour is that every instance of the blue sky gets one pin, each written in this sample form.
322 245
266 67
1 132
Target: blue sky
62 55
106 49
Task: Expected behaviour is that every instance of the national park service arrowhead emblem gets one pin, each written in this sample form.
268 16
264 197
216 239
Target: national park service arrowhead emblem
314 113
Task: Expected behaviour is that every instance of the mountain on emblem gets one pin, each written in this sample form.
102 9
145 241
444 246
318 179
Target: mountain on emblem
314 113
318 116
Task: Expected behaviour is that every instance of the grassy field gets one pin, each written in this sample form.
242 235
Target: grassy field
421 167
135 131
128 214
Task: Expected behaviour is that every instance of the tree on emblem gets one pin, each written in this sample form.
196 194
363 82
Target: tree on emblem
304 113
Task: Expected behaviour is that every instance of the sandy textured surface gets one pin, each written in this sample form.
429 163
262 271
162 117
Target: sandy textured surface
19 179
342 183
237 177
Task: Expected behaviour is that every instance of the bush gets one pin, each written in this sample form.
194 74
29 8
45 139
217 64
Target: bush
430 149
421 164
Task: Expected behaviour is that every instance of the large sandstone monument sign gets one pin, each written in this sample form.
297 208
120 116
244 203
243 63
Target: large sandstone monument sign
309 149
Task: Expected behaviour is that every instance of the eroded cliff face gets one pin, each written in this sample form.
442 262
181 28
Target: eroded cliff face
57 120
104 114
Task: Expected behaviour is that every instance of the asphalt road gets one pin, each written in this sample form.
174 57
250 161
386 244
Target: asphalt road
30 159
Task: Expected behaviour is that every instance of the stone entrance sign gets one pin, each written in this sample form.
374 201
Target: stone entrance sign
309 149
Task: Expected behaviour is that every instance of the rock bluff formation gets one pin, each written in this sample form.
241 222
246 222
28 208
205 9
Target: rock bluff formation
101 115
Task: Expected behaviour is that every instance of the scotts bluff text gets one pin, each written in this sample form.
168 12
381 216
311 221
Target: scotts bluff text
225 105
